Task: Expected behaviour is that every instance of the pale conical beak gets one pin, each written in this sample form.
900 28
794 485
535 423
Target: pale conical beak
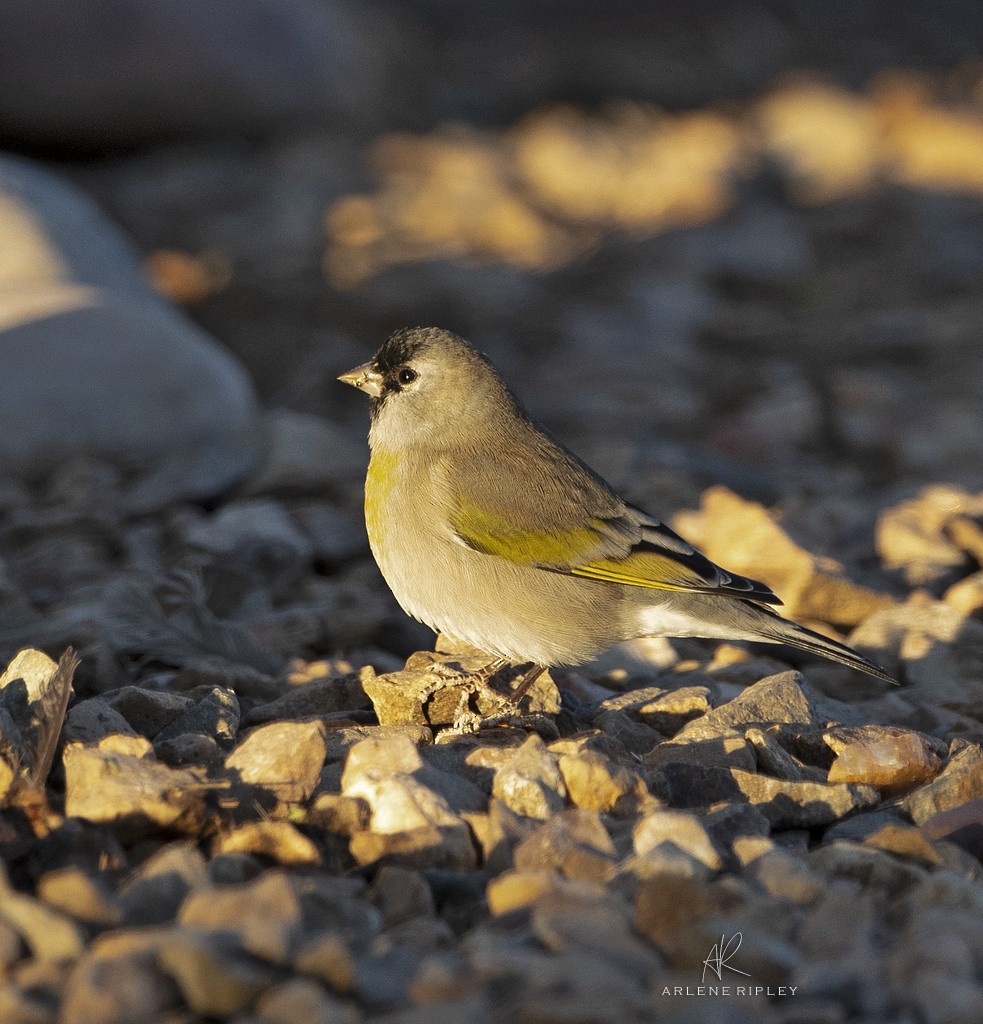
366 378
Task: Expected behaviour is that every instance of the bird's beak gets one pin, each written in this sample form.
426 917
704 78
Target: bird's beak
366 378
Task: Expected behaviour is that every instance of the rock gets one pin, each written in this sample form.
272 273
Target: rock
147 711
278 64
777 698
962 825
916 537
134 795
722 747
283 757
774 759
572 842
118 990
124 376
960 781
188 750
280 841
894 760
742 535
966 596
94 720
316 699
498 833
264 915
633 736
327 958
81 896
253 526
825 138
310 455
152 894
216 715
49 934
667 906
409 823
301 999
401 895
596 782
215 978
660 828
785 877
885 831
441 688
785 804
865 864
669 712
530 782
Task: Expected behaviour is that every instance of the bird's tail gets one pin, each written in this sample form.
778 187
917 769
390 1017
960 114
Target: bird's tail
778 630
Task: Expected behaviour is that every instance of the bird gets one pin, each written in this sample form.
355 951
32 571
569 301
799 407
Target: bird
489 530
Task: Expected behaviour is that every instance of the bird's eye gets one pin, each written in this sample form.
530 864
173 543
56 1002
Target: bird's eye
406 375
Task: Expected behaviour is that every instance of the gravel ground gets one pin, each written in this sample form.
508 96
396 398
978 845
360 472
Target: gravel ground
240 785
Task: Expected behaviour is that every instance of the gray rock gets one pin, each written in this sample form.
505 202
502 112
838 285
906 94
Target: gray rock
302 999
785 804
216 715
774 759
254 525
153 893
632 735
684 831
865 864
49 934
410 823
119 373
777 698
316 699
92 720
148 711
401 895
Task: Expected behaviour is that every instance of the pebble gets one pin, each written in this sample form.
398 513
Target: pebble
894 760
283 757
530 782
573 842
135 795
215 979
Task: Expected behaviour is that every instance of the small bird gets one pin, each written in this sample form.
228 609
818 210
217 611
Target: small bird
489 530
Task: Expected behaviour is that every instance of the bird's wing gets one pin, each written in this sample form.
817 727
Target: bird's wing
538 505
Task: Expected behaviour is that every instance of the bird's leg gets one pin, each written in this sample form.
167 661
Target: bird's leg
525 683
486 673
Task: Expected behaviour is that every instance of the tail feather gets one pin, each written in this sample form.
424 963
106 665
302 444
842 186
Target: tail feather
782 631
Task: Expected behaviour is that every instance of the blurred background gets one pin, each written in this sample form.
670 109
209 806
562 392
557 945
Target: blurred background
722 242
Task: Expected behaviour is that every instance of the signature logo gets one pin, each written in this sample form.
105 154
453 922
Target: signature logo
720 955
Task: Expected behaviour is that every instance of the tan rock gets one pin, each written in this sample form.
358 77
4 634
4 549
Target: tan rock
283 757
215 979
892 759
597 783
280 841
82 896
130 793
914 536
742 536
680 829
263 914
